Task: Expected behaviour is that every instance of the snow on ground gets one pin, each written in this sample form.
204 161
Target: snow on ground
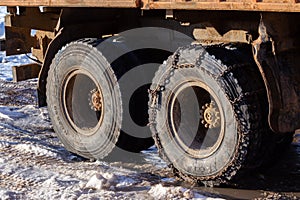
35 165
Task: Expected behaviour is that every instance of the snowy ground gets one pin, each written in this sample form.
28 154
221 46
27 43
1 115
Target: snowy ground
35 165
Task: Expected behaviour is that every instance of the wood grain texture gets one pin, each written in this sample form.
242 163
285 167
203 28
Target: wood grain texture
72 3
242 5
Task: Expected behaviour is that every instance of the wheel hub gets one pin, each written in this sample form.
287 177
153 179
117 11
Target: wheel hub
95 100
210 116
82 102
196 119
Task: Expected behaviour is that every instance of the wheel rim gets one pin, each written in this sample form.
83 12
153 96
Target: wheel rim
195 119
83 103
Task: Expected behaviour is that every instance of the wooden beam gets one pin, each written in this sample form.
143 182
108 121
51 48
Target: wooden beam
74 3
239 5
24 72
245 5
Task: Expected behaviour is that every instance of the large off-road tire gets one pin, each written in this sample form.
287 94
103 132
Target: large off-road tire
206 113
84 100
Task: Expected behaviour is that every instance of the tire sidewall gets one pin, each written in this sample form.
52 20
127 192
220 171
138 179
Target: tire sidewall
223 156
102 141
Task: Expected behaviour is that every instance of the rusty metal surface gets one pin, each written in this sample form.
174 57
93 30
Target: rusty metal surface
278 64
73 3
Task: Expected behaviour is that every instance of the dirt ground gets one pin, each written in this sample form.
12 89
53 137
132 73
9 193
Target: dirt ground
35 165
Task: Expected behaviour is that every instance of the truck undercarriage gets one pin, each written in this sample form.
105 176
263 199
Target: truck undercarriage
219 103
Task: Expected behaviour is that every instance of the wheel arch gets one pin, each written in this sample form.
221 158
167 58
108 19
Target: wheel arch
276 53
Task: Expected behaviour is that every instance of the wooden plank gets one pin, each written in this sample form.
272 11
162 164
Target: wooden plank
73 3
241 5
24 72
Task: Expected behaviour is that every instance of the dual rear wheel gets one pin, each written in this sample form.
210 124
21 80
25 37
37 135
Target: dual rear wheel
205 114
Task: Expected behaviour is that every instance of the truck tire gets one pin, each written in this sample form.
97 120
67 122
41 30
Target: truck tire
84 101
206 113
